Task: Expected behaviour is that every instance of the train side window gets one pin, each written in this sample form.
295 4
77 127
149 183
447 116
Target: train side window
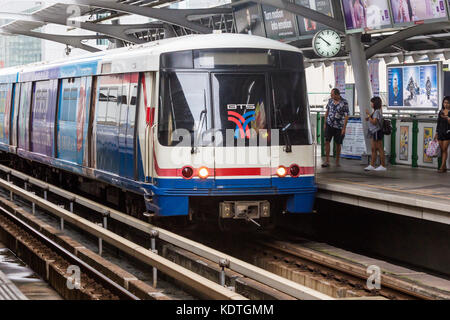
65 105
102 103
111 115
132 109
72 112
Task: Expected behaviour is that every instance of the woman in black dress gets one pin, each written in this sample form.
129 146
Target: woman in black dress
443 132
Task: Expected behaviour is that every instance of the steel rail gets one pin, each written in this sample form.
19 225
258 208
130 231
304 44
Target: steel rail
105 281
200 284
277 282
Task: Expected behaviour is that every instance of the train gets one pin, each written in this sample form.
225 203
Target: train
196 127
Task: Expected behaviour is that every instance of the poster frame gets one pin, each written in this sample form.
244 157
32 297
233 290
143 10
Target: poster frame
387 27
440 85
296 25
300 20
414 23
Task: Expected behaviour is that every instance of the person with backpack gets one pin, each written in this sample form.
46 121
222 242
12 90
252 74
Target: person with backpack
376 134
443 132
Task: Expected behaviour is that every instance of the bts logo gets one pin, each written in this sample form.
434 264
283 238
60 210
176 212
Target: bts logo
242 106
242 121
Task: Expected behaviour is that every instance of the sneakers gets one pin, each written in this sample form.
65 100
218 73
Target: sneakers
369 168
381 168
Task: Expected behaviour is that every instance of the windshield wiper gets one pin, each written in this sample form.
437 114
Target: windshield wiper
284 131
202 121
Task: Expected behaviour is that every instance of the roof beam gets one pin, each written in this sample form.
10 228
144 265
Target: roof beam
174 16
114 31
74 41
406 34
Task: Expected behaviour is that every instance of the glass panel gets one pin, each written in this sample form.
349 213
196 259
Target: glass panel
112 106
185 105
290 114
102 103
240 104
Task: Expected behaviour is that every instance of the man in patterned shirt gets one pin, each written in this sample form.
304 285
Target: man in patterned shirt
336 123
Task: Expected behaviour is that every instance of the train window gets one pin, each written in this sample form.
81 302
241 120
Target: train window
102 103
132 108
72 112
185 106
291 60
290 113
240 105
180 59
111 114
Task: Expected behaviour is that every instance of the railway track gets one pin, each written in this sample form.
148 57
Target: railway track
52 261
248 275
285 267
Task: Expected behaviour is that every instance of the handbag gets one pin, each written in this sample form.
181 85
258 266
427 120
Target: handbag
433 149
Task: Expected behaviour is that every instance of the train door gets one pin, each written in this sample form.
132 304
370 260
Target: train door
15 115
144 128
241 122
127 125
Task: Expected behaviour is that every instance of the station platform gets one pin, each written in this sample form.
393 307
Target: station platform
414 192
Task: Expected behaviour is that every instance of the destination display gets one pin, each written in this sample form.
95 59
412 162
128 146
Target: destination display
249 19
366 15
308 26
280 24
410 11
413 86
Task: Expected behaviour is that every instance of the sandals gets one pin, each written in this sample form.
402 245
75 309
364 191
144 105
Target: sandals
325 165
442 170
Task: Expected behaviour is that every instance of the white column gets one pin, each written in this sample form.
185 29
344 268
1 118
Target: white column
362 80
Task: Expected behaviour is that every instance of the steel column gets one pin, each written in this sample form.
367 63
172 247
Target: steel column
362 82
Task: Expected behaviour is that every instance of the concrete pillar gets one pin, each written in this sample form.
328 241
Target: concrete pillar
362 80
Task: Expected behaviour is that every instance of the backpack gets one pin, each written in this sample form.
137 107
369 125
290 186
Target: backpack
386 127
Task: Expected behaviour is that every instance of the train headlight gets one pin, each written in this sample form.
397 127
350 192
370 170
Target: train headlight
281 172
203 172
294 170
187 172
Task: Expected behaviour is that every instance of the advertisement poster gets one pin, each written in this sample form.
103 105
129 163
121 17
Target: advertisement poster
427 138
310 27
374 76
413 86
354 144
249 20
411 89
279 24
405 11
366 14
404 143
339 76
395 84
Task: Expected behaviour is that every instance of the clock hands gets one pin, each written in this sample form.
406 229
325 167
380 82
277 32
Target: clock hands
329 44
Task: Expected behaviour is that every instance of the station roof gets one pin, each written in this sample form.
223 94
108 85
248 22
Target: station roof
427 38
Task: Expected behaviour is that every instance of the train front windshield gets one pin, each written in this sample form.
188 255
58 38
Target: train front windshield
246 92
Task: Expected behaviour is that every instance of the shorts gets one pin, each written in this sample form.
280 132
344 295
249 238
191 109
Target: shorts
377 136
444 136
332 132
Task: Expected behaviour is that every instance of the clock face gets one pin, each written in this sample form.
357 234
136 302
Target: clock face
327 43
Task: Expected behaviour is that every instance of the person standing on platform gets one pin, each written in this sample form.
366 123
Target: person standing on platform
335 124
376 134
443 132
